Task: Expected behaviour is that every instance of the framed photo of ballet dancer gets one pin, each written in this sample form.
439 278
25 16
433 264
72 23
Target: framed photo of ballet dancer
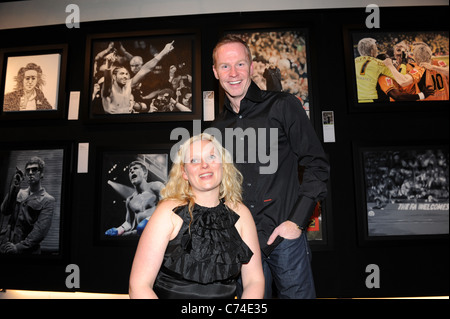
129 186
143 76
281 59
34 179
33 82
403 191
393 70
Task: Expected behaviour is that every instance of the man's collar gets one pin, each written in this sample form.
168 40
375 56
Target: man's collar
253 94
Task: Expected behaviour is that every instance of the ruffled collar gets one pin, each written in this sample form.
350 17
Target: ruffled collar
211 249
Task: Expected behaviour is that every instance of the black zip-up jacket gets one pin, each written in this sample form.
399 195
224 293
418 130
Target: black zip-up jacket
271 188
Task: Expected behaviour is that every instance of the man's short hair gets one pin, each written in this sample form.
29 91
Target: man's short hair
231 38
36 160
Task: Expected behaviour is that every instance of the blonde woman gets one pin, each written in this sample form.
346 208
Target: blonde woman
201 237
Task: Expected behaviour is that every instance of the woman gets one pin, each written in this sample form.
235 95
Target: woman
27 95
201 236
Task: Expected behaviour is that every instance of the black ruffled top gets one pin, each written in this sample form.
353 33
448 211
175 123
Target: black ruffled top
208 253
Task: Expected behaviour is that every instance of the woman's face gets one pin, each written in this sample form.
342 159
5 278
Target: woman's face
203 167
30 80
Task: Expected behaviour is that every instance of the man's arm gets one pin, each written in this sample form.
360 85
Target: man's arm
401 79
308 148
150 65
440 69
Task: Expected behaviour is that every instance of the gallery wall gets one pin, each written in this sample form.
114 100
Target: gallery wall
408 266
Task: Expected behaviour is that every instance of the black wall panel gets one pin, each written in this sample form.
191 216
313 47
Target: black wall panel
407 268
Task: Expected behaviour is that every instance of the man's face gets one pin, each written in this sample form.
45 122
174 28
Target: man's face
33 174
135 65
122 76
30 80
398 50
136 174
233 70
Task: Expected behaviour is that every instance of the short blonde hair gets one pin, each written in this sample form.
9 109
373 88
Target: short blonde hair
177 188
231 38
422 53
366 46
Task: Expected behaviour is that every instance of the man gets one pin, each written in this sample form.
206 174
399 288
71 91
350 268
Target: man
30 211
425 73
272 74
368 69
280 206
141 204
116 92
27 94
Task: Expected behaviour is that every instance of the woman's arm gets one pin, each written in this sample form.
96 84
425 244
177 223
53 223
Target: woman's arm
252 272
150 251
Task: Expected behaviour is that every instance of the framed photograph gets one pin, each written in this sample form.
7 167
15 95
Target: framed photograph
318 231
33 184
397 70
403 191
280 60
144 77
33 82
129 189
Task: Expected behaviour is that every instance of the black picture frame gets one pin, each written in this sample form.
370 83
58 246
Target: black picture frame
56 182
402 191
293 58
116 191
121 47
48 64
319 230
364 101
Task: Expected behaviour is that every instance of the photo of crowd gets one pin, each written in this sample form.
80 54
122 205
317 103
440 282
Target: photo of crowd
406 66
407 191
280 62
402 176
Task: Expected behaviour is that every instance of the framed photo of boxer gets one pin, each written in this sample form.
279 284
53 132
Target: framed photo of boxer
33 82
393 70
403 191
129 187
143 76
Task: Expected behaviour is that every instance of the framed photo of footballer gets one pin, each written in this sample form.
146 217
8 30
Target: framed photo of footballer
33 82
143 76
280 60
34 181
402 191
129 186
391 70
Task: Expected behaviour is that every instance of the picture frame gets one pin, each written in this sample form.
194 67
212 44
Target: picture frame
33 82
128 186
319 230
281 56
45 237
374 87
402 191
151 76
